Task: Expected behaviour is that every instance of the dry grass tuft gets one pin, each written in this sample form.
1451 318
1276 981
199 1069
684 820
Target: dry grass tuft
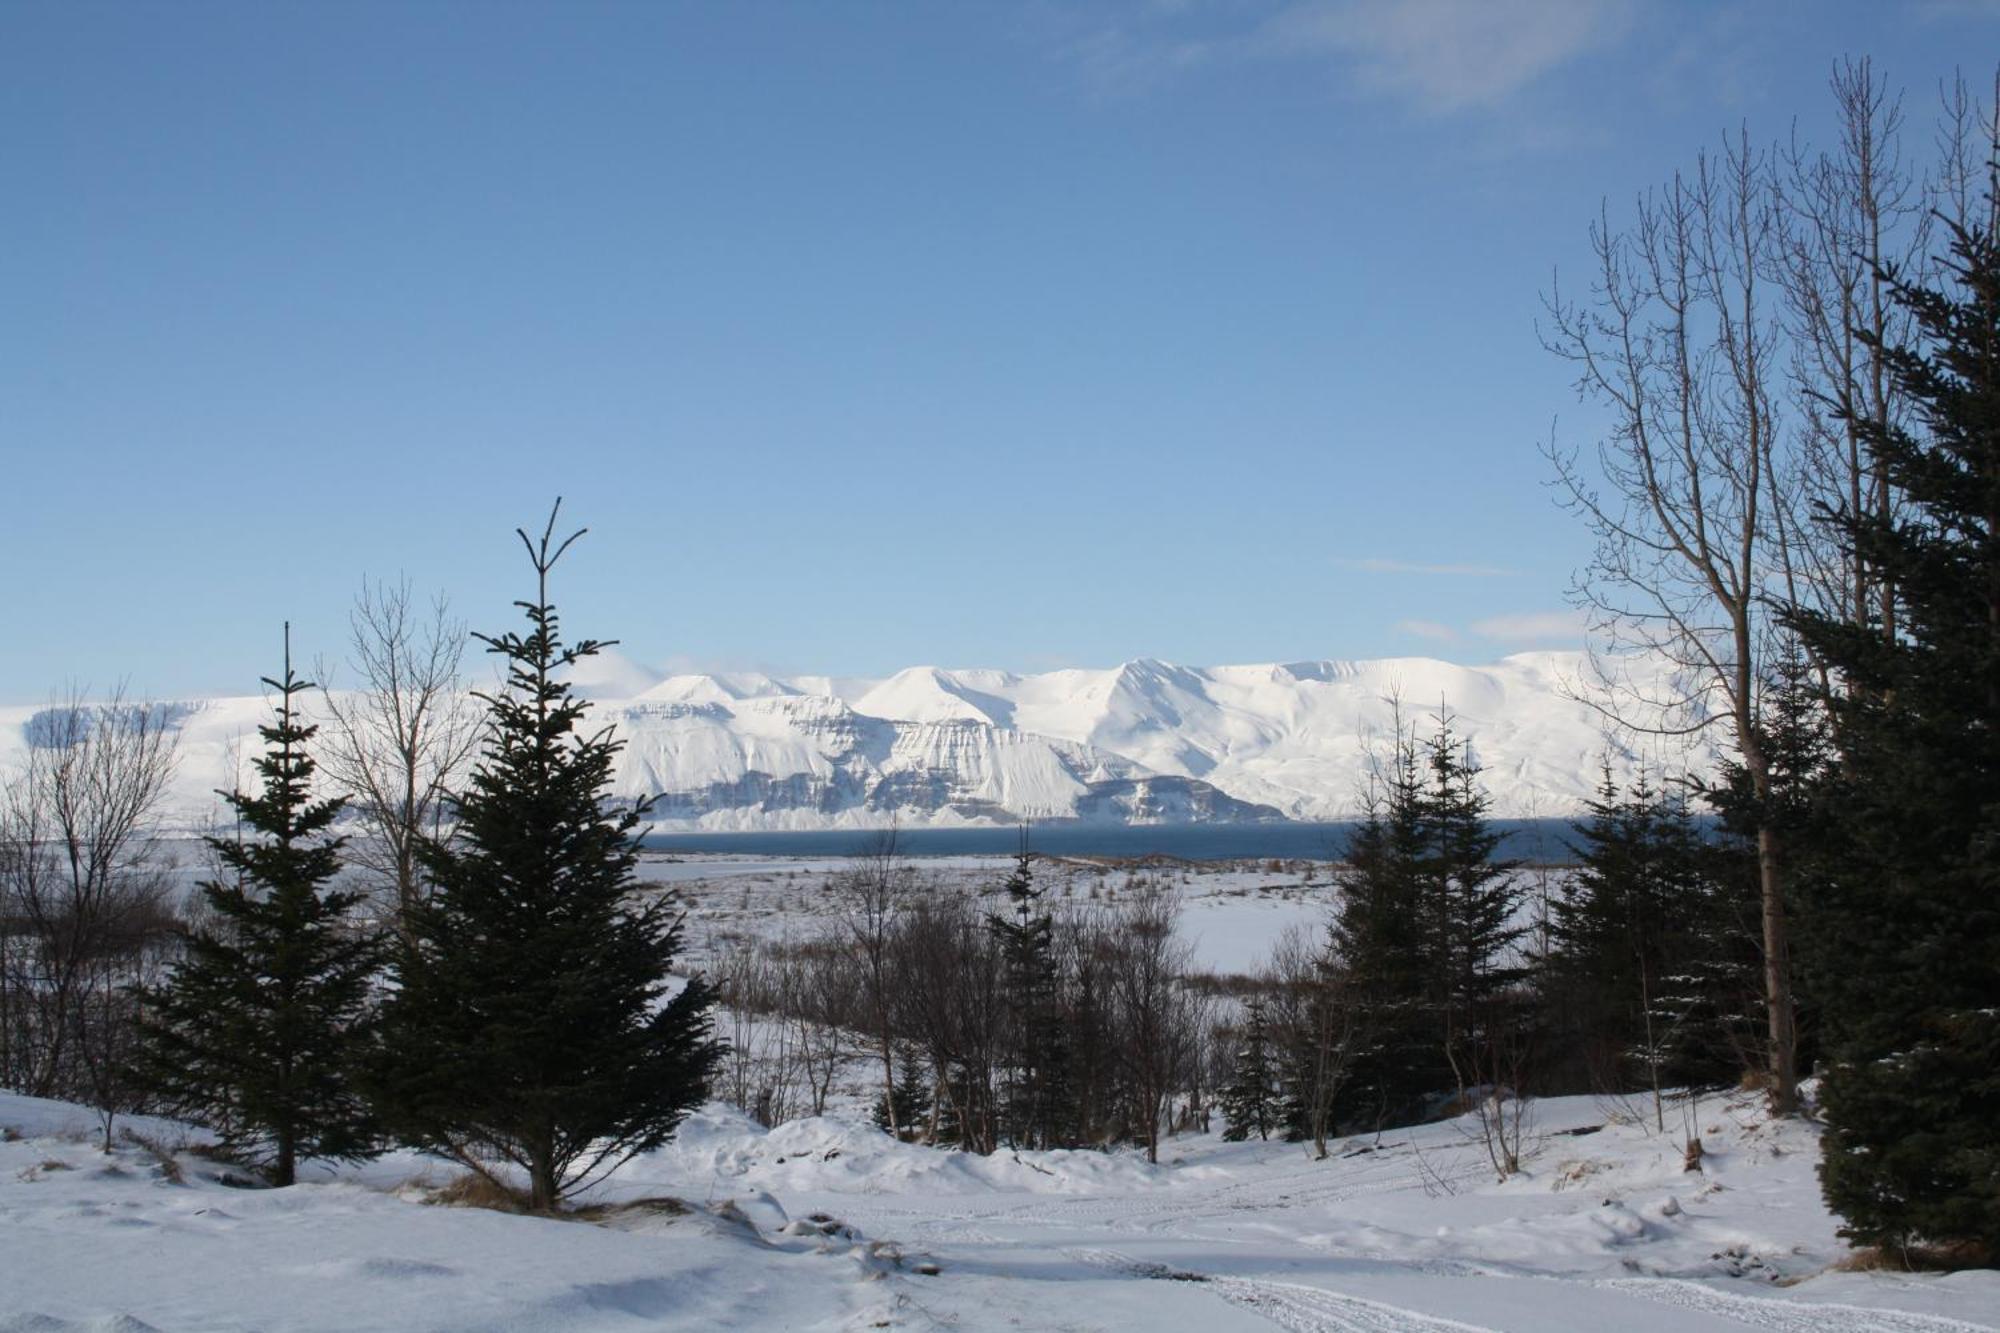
658 1205
474 1190
1917 1258
165 1155
1755 1080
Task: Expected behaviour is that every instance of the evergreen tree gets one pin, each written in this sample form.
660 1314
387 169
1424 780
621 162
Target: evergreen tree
1911 1089
533 1022
913 1096
1795 734
1471 898
258 1029
1035 1110
1250 1102
1647 960
1424 938
1380 944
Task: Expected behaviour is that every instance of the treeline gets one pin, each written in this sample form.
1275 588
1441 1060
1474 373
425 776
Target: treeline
1451 979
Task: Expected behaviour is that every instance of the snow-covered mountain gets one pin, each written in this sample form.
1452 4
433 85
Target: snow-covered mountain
1145 742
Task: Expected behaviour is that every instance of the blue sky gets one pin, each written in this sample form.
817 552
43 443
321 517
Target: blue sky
860 335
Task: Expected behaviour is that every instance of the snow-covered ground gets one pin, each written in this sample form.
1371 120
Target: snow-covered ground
1406 1231
1231 911
827 1224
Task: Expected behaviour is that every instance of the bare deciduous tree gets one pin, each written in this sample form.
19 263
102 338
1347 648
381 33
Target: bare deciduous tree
1965 185
1310 1005
874 891
949 998
1850 216
1156 1016
397 741
1680 340
1734 332
85 894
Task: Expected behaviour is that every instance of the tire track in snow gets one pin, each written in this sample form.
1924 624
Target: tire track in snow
1289 1305
1149 1213
1315 1310
1788 1316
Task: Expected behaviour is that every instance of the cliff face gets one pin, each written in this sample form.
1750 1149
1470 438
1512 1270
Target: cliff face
800 761
1144 742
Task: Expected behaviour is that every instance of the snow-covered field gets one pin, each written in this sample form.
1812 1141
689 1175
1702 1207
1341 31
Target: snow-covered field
827 1224
1231 911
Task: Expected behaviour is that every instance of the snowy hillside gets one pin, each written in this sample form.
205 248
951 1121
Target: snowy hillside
1145 742
826 1223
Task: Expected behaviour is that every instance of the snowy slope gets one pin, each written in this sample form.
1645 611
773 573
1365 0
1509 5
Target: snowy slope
1146 741
1408 1233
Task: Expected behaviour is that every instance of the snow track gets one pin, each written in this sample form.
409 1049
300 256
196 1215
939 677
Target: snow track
1316 1310
1289 1305
1788 1316
1167 1213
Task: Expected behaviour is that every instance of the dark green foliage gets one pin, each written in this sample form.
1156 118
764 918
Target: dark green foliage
913 1097
1794 731
1470 896
1646 956
1911 1023
1250 1103
534 1023
1425 934
1379 937
1035 1099
258 1030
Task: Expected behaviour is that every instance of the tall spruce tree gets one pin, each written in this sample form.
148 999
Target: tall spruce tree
1424 935
534 1023
1471 897
1250 1103
1647 959
258 1030
1911 1089
1379 941
1035 1110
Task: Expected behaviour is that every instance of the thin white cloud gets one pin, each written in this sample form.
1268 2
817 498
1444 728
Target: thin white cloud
1379 565
1531 627
1428 629
1445 55
1440 56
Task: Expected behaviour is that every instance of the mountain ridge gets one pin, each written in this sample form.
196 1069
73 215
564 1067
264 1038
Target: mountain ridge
1146 741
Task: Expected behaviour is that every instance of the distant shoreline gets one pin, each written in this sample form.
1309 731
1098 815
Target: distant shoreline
1542 840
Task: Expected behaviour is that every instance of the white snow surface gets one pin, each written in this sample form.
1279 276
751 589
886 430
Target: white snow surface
827 1224
1146 741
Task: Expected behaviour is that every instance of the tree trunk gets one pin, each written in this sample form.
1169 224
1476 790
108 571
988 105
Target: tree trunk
1778 1015
542 1184
889 1088
1777 974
